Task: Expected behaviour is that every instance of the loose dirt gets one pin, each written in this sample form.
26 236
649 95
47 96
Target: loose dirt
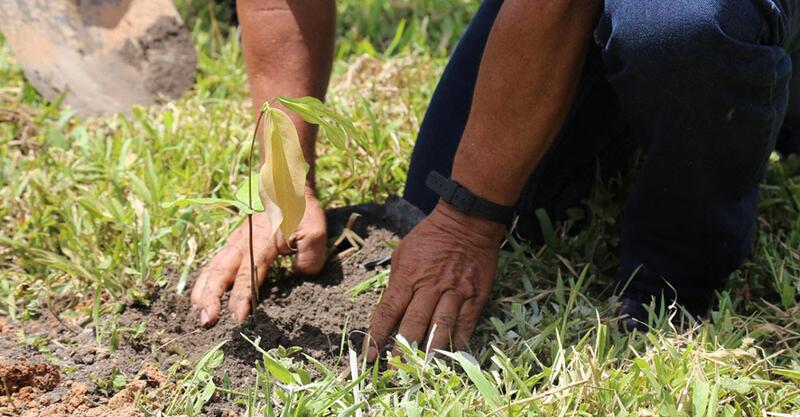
54 368
104 56
165 55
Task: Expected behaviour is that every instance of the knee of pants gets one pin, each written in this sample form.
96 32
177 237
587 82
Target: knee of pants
702 81
665 40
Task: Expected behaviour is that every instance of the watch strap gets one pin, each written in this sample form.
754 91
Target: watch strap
465 201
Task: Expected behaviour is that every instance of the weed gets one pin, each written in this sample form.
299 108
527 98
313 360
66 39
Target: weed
111 384
197 387
373 283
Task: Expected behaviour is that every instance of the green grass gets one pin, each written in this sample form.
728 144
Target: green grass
85 227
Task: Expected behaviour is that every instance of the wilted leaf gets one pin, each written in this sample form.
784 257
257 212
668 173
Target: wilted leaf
283 175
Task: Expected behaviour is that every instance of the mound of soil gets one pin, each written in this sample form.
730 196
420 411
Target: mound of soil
312 313
16 375
165 55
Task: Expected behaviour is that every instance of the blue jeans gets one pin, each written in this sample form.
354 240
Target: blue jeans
701 86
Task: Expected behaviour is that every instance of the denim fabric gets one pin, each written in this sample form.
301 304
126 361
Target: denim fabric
702 87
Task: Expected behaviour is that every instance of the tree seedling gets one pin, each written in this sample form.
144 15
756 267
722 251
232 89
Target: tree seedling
278 188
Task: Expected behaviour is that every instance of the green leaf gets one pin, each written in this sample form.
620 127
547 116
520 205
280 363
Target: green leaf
118 381
211 359
309 108
337 127
280 372
470 366
548 233
700 398
713 401
241 193
335 134
739 385
215 359
204 396
788 373
274 366
398 36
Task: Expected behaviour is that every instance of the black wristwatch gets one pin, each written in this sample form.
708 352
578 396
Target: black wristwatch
465 201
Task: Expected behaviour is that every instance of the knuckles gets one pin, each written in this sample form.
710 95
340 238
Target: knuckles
447 321
380 314
416 318
442 264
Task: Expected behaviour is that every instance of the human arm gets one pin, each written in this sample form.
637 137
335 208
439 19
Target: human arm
442 272
288 51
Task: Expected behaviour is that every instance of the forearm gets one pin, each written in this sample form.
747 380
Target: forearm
288 51
526 83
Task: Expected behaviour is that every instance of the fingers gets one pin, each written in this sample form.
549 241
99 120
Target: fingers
312 252
285 246
218 263
468 316
310 241
417 317
215 279
309 247
384 318
264 253
444 319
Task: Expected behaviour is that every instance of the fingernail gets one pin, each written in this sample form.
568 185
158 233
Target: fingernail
203 317
372 354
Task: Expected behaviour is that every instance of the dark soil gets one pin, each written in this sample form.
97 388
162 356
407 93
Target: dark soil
166 55
312 313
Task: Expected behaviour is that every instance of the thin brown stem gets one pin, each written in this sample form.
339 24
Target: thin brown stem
253 280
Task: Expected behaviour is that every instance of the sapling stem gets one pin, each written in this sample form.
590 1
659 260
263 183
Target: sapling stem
253 280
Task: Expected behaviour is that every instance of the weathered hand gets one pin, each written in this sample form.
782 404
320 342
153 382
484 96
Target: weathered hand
231 266
442 275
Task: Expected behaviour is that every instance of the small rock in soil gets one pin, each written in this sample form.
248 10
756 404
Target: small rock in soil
86 359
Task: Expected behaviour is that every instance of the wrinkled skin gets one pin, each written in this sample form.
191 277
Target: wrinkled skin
442 275
231 265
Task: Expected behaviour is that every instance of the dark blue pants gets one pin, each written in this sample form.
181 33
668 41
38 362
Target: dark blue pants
702 87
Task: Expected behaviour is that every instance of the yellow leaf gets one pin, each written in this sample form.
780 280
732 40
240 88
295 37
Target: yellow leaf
283 174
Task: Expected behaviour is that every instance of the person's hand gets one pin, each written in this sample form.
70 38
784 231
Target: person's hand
442 275
231 266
